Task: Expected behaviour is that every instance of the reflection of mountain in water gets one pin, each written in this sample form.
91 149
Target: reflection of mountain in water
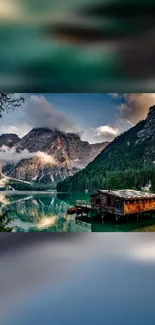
48 212
36 211
39 212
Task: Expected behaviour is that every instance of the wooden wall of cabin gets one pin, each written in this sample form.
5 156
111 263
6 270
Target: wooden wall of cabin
112 204
107 203
134 206
96 202
118 206
99 202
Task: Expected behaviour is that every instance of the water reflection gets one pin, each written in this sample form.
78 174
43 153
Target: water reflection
40 211
47 212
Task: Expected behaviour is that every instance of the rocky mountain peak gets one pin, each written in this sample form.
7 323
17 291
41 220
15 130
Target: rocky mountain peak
73 137
67 150
151 115
152 109
148 131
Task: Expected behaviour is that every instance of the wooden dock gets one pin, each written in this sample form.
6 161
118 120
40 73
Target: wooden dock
80 208
83 204
84 223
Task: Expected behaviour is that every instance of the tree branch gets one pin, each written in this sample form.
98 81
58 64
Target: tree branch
10 102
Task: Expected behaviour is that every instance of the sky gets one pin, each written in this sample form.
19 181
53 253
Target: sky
96 117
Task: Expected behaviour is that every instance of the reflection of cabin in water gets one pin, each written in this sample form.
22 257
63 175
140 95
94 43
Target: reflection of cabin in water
122 202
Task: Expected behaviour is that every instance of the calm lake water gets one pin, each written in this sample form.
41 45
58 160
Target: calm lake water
47 212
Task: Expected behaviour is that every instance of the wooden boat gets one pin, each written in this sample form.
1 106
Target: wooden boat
74 210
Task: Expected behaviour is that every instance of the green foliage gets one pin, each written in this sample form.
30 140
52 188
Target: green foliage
20 186
23 186
5 221
128 179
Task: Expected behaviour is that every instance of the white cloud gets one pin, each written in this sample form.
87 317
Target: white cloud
9 155
106 131
100 134
20 130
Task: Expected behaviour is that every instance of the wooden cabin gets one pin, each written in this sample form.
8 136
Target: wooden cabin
122 202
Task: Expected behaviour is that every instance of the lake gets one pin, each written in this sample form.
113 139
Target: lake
47 212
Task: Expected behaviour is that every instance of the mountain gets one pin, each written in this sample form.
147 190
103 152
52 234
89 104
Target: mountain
127 162
9 140
51 156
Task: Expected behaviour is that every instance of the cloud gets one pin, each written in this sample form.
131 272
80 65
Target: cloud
106 132
132 109
101 134
21 129
135 107
38 112
45 158
9 155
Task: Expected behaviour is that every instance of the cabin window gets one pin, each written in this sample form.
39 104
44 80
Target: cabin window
109 200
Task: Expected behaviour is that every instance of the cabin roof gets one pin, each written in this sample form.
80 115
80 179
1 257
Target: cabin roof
129 194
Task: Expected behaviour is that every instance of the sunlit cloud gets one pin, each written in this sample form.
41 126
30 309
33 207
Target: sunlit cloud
136 106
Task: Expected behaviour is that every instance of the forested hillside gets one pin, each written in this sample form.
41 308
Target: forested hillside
128 162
